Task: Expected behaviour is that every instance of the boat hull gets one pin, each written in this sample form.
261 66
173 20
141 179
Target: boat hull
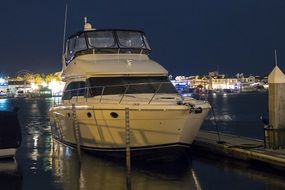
167 152
154 133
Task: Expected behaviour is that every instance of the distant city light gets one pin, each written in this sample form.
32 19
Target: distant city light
4 104
3 82
44 84
34 86
56 87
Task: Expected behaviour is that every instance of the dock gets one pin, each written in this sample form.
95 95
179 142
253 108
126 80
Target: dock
239 148
271 151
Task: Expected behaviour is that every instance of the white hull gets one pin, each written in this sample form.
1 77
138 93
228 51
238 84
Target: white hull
150 125
7 153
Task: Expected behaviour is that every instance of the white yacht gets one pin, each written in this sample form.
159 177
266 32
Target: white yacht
112 85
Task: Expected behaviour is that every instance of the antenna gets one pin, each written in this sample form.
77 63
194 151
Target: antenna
275 54
64 27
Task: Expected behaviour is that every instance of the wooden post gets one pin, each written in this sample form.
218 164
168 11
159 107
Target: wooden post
76 132
128 147
276 105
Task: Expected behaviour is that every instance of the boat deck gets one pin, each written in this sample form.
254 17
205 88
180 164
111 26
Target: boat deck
239 148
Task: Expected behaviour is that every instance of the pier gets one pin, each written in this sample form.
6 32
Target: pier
270 151
239 148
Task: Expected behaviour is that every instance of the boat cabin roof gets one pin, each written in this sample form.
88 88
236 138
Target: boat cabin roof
103 30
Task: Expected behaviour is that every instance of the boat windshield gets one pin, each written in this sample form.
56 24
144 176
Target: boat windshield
129 85
106 41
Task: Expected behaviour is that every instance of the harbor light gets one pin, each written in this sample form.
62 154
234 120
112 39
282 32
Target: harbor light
44 84
34 86
56 87
3 82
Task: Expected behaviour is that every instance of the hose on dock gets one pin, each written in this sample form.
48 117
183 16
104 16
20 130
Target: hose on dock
216 126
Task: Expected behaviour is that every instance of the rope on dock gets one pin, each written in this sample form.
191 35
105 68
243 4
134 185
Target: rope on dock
216 126
245 146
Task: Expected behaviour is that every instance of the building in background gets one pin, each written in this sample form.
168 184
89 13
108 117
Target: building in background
19 88
3 87
220 82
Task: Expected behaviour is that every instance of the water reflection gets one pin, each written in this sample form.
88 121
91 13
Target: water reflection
4 105
235 174
238 114
96 173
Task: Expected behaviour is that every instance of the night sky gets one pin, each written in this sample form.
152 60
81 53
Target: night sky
187 36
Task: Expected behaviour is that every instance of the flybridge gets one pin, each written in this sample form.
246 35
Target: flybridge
112 41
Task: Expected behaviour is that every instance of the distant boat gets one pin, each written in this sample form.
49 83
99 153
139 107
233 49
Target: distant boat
247 87
20 94
265 86
10 133
45 92
3 96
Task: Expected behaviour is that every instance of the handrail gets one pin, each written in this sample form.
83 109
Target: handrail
124 93
102 92
88 91
155 93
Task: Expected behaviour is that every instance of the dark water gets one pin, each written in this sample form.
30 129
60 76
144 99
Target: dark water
44 164
238 114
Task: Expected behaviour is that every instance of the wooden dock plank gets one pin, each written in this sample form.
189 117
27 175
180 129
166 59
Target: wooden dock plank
240 148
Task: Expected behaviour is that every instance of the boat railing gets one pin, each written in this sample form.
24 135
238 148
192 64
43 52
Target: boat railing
123 91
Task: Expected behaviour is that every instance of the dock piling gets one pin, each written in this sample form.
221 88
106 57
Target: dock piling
76 132
128 148
128 151
276 105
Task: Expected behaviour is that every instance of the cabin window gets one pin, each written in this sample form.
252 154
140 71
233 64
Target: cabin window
106 41
101 39
70 49
129 39
80 43
129 85
74 45
76 88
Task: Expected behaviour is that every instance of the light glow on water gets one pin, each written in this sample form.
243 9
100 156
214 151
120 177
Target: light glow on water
4 105
36 138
